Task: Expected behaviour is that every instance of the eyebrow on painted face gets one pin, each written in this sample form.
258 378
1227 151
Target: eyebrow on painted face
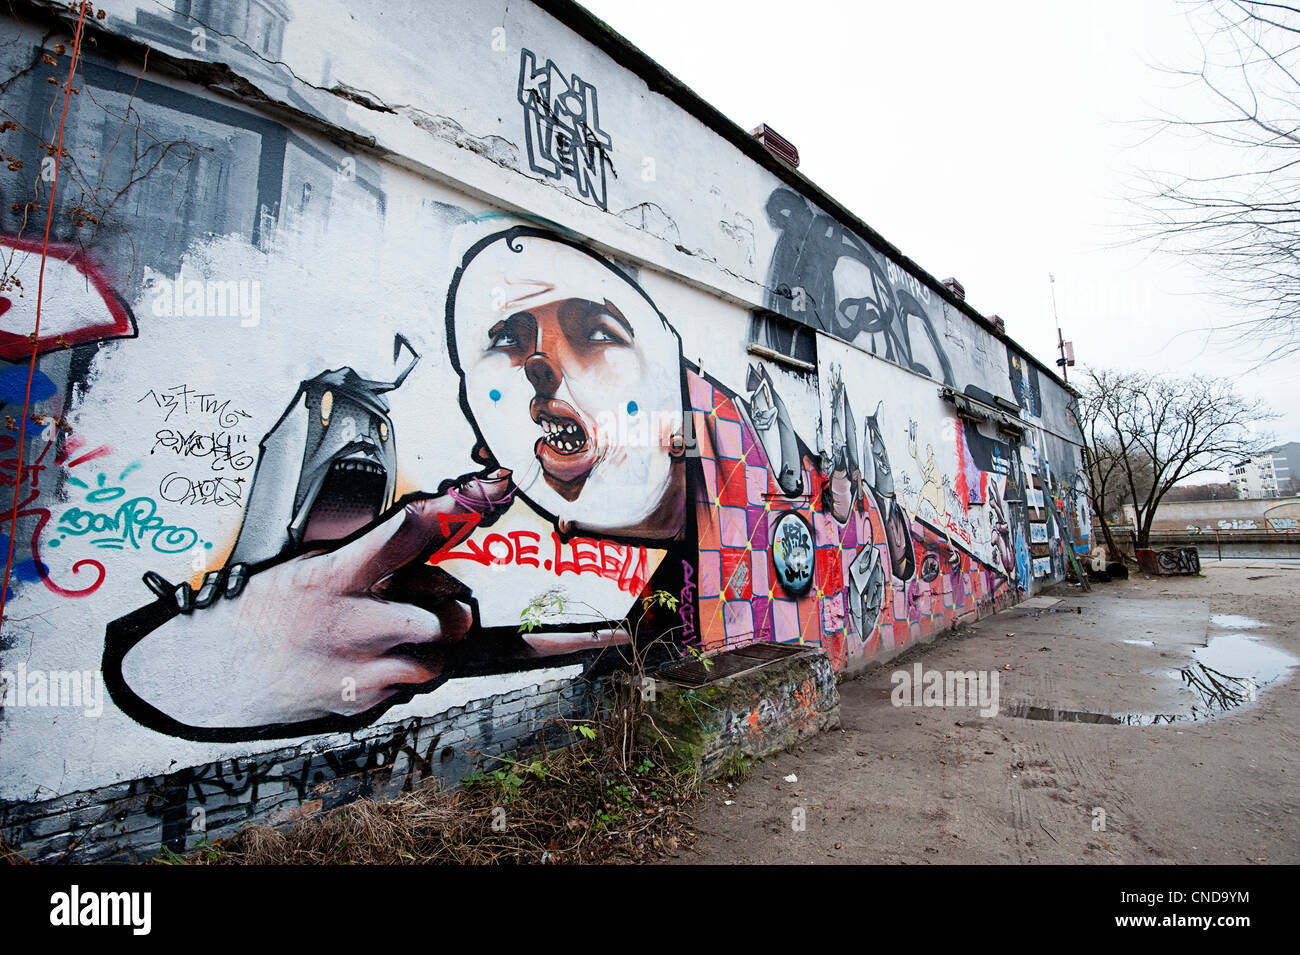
516 331
585 315
579 319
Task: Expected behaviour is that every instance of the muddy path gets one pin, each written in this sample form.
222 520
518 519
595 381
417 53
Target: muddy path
1164 730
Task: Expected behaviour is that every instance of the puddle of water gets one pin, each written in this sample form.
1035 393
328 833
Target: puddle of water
1244 657
1233 621
1053 715
1225 675
1141 643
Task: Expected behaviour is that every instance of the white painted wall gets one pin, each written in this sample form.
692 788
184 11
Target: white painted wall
360 244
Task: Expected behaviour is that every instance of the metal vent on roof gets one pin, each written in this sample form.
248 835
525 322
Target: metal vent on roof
776 144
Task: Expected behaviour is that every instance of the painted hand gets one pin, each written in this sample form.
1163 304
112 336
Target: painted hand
312 637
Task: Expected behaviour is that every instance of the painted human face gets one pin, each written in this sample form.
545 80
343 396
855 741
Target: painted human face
574 382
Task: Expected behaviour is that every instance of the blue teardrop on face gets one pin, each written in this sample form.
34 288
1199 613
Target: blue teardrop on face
494 395
631 407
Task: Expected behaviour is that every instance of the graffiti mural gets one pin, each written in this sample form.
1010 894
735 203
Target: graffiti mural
308 430
572 383
1056 499
592 465
40 446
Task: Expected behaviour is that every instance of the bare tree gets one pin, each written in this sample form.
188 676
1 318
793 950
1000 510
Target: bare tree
1100 402
1240 219
1146 432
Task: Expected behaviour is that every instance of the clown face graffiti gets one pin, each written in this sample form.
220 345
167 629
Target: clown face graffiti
572 379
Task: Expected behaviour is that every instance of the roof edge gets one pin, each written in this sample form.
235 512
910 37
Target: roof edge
596 31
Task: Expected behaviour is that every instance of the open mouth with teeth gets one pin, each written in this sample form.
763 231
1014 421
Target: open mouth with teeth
350 497
566 447
564 436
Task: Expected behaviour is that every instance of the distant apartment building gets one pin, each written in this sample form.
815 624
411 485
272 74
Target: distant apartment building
1271 474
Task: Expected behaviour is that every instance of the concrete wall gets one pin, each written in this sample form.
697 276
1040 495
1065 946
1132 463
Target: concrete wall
363 328
1270 514
1220 545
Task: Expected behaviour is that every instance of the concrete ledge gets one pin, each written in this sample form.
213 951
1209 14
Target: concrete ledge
758 711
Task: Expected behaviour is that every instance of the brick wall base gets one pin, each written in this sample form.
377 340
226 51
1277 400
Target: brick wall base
134 821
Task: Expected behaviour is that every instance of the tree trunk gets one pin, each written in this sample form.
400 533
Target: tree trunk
1111 547
1144 530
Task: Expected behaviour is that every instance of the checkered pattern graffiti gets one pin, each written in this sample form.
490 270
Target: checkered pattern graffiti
741 597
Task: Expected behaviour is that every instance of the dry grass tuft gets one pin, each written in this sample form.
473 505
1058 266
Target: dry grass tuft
578 805
9 857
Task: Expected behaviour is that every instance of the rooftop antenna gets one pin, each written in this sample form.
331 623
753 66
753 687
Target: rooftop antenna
1066 348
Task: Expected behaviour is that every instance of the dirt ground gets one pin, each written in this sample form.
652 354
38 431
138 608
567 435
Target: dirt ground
934 784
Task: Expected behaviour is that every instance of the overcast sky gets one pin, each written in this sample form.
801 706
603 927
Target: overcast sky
991 141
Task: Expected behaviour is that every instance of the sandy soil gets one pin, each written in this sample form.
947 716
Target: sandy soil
934 784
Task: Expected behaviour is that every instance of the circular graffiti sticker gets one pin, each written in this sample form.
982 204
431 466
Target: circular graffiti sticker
792 553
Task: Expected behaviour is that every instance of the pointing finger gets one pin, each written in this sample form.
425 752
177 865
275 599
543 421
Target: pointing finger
419 527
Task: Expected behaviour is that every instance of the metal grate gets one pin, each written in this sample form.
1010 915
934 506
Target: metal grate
728 663
769 651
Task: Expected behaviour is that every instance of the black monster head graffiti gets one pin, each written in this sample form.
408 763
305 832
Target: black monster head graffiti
879 474
808 250
772 422
328 467
844 439
843 490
